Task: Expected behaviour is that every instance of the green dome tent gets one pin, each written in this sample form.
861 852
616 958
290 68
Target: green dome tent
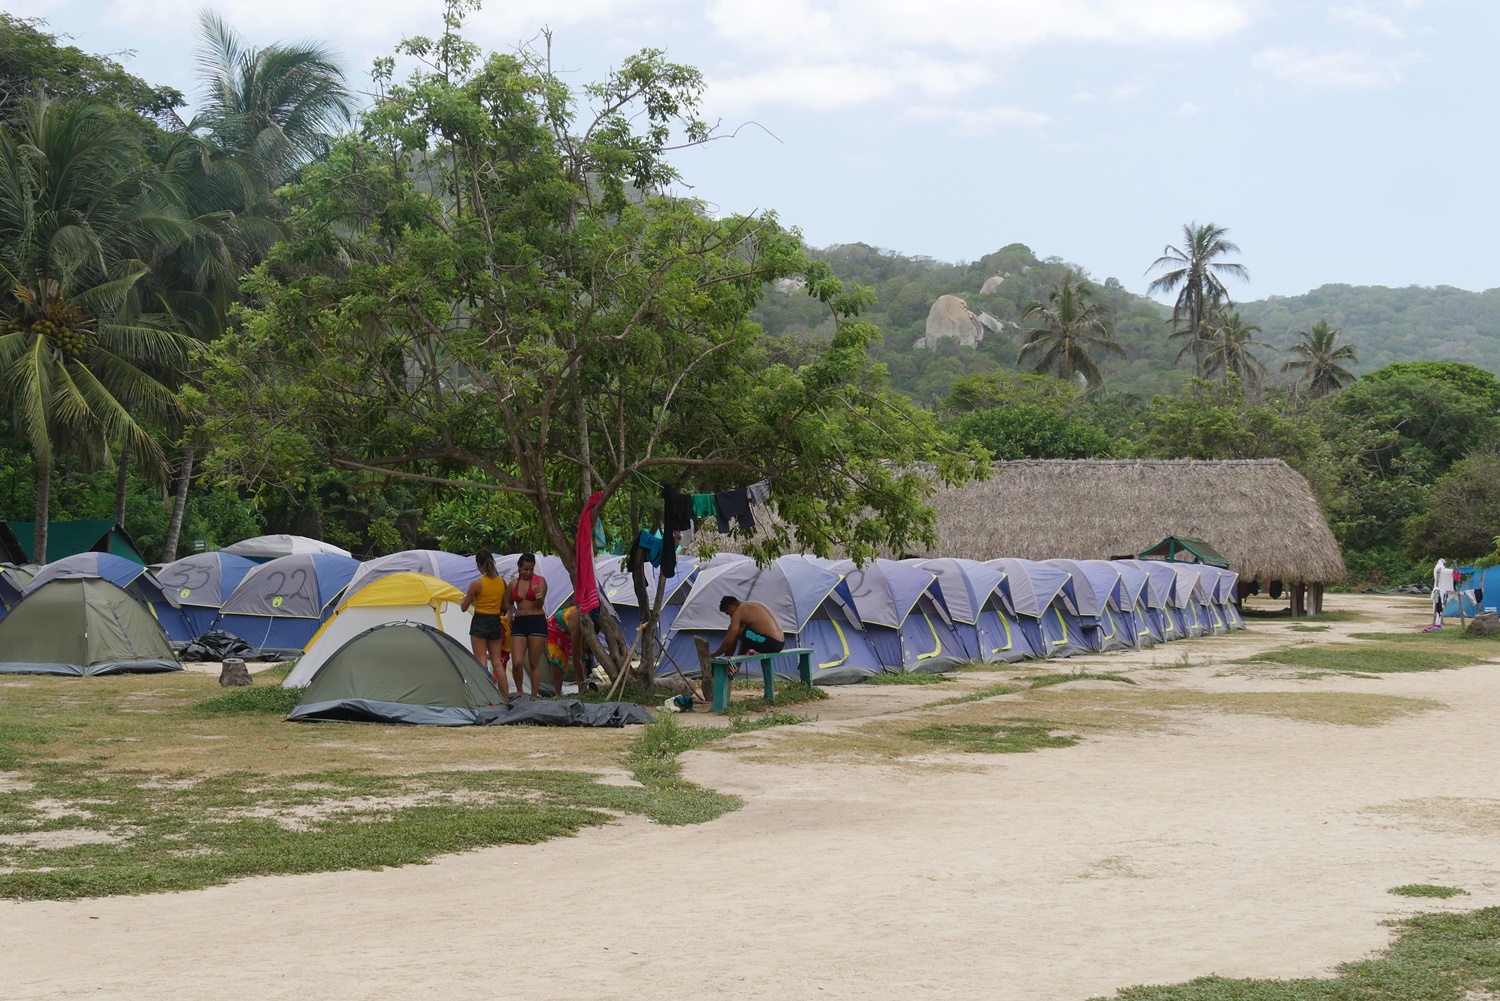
79 627
401 672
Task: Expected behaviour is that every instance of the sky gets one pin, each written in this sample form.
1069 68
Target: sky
1351 141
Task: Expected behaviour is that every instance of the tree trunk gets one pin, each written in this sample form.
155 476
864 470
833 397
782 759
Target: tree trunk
179 505
43 501
122 482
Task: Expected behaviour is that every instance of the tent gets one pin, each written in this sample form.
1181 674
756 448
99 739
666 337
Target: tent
617 588
906 622
402 597
12 585
460 571
200 583
1484 582
1185 549
1219 587
1097 603
1038 593
1162 610
265 548
140 583
69 538
983 620
400 672
82 626
1139 597
1188 593
280 605
812 603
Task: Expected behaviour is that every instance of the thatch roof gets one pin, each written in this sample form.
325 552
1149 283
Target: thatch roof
1260 513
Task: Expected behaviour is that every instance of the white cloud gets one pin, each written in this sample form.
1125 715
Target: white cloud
1187 109
1362 18
1336 69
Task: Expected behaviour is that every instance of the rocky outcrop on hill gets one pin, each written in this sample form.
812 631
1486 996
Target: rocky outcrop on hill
950 317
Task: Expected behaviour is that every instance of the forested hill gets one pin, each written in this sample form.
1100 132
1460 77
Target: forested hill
1384 324
1391 324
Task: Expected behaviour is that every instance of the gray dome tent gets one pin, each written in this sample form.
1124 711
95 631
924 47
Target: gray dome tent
401 672
82 626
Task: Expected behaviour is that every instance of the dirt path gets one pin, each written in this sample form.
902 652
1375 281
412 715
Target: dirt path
1237 844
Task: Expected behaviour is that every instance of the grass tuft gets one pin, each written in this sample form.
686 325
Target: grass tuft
271 699
1307 629
1368 658
1438 957
977 696
788 693
906 678
1427 890
1013 735
1048 680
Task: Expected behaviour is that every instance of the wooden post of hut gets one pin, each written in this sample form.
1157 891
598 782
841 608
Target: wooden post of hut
1299 600
1315 599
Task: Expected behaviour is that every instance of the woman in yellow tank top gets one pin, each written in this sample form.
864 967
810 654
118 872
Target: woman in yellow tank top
488 630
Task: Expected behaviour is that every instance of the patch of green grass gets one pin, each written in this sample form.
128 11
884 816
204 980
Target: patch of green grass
276 672
977 696
639 694
906 678
1008 736
1369 658
17 738
1048 680
788 693
1438 957
1307 629
253 699
1427 890
1335 615
1448 634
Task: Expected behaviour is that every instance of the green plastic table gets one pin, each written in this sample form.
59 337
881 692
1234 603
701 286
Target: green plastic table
720 667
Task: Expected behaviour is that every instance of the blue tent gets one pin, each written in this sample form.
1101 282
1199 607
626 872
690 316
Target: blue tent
1220 588
983 617
812 603
1485 582
200 583
460 571
616 587
1040 595
279 605
1096 602
1162 609
138 582
1136 586
906 622
1190 599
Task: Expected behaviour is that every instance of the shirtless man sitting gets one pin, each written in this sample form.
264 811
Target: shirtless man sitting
752 626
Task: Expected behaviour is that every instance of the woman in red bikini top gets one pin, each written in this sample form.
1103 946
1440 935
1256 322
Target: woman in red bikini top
528 632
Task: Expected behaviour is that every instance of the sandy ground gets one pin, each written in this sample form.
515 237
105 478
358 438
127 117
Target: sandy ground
1238 845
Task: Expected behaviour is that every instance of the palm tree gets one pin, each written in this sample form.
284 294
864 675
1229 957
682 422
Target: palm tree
1198 279
1321 358
1069 332
84 359
277 106
1231 349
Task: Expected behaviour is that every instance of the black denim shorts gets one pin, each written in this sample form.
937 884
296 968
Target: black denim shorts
487 627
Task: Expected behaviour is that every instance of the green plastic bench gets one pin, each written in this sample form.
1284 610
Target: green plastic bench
721 665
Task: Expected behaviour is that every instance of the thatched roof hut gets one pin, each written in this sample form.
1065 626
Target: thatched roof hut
1260 513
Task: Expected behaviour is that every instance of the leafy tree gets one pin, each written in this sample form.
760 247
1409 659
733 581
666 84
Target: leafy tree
1231 349
1194 273
81 363
1002 389
1068 332
1470 380
277 106
1320 359
1463 511
35 63
1031 431
487 289
1208 421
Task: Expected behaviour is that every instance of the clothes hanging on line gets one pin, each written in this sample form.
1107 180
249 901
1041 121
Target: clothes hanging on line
703 507
585 589
650 547
760 493
735 504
